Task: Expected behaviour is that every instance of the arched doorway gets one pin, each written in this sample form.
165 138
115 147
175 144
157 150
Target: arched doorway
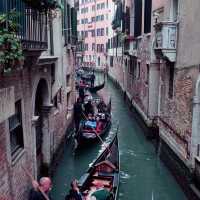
41 99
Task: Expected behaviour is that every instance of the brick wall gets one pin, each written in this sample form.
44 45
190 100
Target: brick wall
177 111
14 183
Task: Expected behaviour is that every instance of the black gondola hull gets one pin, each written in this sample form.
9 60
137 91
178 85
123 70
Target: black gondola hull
112 154
84 140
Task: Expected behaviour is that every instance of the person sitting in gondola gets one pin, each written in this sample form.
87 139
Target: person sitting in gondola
101 107
74 193
89 109
90 122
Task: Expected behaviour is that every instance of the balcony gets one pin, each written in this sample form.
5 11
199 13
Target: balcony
165 44
32 24
117 21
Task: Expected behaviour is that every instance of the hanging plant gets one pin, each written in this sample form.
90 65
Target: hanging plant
43 5
11 54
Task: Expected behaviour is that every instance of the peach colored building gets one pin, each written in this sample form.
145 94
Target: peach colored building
94 24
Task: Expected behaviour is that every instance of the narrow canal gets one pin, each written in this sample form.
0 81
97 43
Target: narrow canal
143 175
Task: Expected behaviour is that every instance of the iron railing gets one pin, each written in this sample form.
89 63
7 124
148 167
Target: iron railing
32 24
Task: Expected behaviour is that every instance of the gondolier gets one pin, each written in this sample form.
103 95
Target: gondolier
44 185
77 113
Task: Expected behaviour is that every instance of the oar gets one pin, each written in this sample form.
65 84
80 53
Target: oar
32 179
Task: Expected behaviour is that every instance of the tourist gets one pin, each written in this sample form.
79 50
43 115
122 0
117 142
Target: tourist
89 109
74 192
81 93
44 185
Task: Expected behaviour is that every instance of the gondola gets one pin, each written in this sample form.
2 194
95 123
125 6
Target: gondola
91 130
102 178
96 88
93 89
87 77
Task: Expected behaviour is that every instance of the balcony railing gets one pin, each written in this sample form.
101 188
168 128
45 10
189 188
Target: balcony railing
32 24
166 40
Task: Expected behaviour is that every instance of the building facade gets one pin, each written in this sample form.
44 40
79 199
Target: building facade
36 97
94 27
159 73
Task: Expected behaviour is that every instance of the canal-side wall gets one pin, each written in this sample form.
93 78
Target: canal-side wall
170 157
179 170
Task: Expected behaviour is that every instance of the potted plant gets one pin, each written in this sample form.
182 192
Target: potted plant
11 54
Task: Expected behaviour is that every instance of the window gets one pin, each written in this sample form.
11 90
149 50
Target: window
78 22
53 74
147 75
111 61
147 16
86 34
93 46
132 67
86 47
102 31
68 99
98 18
102 48
98 47
102 5
93 19
138 71
107 16
68 80
82 21
170 66
138 18
93 8
82 33
16 129
175 10
99 61
82 1
98 6
86 20
93 33
98 32
107 31
102 17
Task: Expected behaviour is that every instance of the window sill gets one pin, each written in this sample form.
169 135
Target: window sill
148 34
139 37
56 111
17 156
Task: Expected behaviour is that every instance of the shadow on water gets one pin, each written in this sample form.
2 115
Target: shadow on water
143 175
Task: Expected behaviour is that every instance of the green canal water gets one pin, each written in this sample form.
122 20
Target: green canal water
143 175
